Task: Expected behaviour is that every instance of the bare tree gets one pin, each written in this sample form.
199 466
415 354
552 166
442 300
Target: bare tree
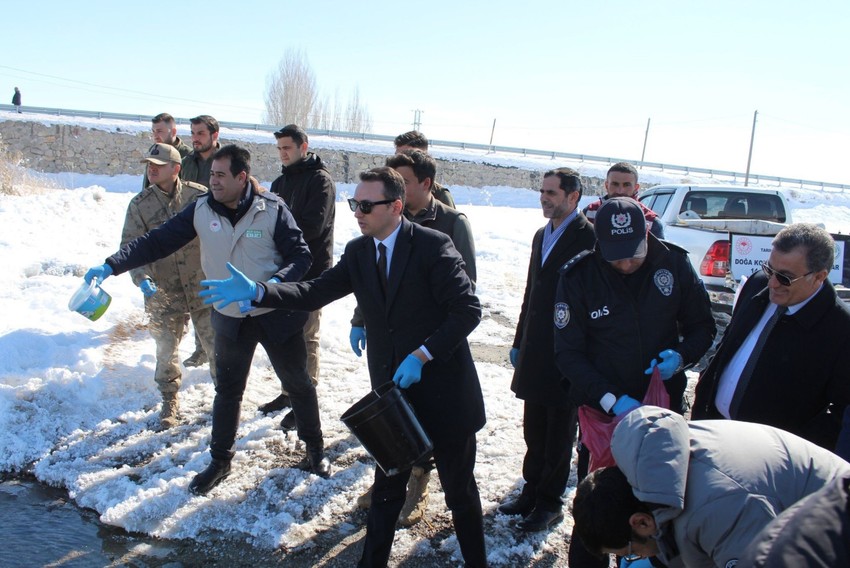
291 91
293 97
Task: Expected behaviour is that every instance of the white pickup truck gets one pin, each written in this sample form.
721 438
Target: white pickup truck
700 218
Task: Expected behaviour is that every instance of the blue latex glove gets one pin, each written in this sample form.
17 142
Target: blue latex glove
147 287
101 272
222 293
409 372
514 356
670 362
640 563
357 338
624 405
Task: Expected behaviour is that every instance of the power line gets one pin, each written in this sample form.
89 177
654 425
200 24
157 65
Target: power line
137 94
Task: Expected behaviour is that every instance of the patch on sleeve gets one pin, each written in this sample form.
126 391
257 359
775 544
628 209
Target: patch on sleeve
732 563
663 281
562 315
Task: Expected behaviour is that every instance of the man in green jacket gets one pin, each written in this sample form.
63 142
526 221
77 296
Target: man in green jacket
196 168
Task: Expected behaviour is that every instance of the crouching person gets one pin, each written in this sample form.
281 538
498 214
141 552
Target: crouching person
695 494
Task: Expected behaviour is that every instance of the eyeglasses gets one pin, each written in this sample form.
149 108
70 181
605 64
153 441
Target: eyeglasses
783 279
366 206
630 557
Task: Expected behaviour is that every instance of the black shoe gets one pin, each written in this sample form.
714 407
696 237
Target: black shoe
522 506
196 359
288 421
316 462
216 472
540 520
279 403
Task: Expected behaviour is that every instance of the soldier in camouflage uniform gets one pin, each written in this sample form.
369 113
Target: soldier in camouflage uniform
170 285
164 131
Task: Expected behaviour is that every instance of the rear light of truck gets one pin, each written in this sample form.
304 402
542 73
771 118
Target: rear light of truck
716 260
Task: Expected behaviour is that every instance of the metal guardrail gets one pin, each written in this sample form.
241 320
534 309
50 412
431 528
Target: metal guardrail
671 168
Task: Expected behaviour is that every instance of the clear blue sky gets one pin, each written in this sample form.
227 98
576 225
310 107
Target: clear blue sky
571 76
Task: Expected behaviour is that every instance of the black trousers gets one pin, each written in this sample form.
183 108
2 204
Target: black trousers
549 432
233 363
455 462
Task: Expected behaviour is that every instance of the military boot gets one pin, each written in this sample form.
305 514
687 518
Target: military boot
170 407
196 359
365 500
416 500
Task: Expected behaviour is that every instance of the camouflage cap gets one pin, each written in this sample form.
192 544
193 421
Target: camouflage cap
160 154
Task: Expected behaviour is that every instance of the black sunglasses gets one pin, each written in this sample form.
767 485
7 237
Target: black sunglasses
783 279
366 206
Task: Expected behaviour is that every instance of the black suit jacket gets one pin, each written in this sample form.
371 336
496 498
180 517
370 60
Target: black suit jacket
803 368
429 302
537 378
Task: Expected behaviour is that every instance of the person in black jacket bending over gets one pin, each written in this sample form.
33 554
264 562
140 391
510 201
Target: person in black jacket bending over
306 186
418 311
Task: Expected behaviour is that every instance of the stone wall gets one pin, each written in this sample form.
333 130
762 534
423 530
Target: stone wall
71 148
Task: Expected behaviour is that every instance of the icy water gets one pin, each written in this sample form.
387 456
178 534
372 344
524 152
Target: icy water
41 527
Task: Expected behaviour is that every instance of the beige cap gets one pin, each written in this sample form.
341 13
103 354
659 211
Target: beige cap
160 154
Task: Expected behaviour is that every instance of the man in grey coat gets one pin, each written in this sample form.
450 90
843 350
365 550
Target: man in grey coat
695 494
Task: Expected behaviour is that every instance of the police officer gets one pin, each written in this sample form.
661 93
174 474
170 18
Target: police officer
630 304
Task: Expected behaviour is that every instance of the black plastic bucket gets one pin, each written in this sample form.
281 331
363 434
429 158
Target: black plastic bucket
386 425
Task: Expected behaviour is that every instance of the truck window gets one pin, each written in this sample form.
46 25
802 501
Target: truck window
734 205
657 201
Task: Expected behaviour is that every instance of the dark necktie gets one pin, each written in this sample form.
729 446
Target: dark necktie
382 267
747 373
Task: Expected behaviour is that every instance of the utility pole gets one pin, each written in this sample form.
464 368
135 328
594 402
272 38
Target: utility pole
492 132
750 156
417 119
645 138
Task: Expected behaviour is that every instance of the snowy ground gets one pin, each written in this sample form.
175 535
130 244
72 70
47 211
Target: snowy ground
78 404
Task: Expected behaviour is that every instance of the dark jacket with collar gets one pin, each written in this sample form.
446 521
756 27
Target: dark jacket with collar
307 187
440 217
605 338
804 365
429 302
537 378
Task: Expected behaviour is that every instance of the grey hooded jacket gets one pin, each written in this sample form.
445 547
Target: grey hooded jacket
716 483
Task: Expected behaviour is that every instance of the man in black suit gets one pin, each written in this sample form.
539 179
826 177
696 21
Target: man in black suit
803 366
549 418
418 314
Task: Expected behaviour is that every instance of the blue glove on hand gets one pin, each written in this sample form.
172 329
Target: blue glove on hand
147 287
624 405
357 338
409 372
514 356
222 293
101 272
639 563
670 363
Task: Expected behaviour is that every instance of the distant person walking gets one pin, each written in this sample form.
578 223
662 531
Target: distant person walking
16 99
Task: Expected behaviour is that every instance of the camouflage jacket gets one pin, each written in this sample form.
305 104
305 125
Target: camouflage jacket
178 275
